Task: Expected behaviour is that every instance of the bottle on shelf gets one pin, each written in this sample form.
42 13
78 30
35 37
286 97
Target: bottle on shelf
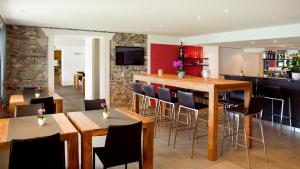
181 52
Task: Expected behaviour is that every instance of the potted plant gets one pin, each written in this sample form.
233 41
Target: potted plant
294 67
179 66
41 118
106 111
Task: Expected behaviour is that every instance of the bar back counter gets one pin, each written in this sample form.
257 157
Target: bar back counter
289 88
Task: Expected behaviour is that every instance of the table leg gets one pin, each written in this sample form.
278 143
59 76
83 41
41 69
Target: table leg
213 124
137 104
148 141
248 120
86 151
73 152
59 105
74 82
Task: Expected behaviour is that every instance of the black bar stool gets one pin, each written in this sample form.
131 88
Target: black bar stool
137 92
149 95
165 99
255 109
274 93
186 101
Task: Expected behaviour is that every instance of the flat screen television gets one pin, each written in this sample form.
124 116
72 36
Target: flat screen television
129 55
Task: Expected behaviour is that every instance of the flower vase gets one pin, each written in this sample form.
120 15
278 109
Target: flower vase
37 95
205 74
105 115
181 74
41 121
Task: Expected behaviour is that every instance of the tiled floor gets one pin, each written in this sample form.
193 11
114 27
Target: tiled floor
73 100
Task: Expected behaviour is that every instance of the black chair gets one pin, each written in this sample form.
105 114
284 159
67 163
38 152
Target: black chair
149 95
165 99
96 104
27 110
186 101
255 109
38 153
119 151
274 93
48 104
137 92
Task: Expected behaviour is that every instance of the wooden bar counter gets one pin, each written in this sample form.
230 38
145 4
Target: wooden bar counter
213 87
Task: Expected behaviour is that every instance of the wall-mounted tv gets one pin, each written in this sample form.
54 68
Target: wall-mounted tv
129 55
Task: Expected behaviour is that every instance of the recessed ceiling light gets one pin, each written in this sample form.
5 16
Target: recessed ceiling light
64 15
283 46
274 40
253 42
160 26
226 10
198 17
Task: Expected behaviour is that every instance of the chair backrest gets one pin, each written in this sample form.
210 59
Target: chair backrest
149 91
44 152
27 110
47 102
164 94
270 91
256 105
186 99
96 104
236 95
136 87
123 144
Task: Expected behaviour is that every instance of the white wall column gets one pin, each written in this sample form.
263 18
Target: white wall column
50 62
212 52
89 68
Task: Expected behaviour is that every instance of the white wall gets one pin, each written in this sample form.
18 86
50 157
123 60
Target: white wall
72 60
233 60
212 52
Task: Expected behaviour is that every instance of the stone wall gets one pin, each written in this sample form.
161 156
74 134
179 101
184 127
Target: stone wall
121 86
27 58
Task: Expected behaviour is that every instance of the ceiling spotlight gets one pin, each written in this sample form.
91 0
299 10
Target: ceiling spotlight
253 42
275 41
64 15
198 17
160 26
226 10
283 46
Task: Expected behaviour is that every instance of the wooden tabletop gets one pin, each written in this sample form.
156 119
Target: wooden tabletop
93 120
20 98
27 127
190 82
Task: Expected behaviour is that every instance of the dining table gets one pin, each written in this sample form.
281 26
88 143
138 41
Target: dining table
213 87
28 128
92 123
21 99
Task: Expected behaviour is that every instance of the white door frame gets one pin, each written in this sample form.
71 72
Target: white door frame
104 56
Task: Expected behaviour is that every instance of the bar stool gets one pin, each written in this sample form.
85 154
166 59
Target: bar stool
255 109
137 92
165 99
274 93
149 95
186 101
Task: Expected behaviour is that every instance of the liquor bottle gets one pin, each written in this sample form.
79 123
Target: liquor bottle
181 52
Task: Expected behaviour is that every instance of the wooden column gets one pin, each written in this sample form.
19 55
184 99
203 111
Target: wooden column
73 151
148 143
213 124
86 150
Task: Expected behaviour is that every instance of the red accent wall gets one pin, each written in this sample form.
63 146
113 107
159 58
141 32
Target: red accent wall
162 57
193 52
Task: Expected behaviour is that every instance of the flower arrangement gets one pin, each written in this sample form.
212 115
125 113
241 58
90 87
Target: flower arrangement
41 113
178 65
105 107
41 117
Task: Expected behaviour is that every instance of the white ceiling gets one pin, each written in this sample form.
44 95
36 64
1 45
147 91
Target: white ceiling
281 43
163 17
69 41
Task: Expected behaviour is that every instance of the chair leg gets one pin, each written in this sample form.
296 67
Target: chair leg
237 131
247 148
290 114
224 132
126 166
94 164
281 116
263 139
156 117
177 123
133 101
272 112
194 137
140 164
172 122
142 103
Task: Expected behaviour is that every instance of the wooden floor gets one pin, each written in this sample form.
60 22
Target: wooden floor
283 152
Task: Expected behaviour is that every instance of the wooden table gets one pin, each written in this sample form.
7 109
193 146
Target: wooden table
27 127
91 123
213 87
76 80
19 100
